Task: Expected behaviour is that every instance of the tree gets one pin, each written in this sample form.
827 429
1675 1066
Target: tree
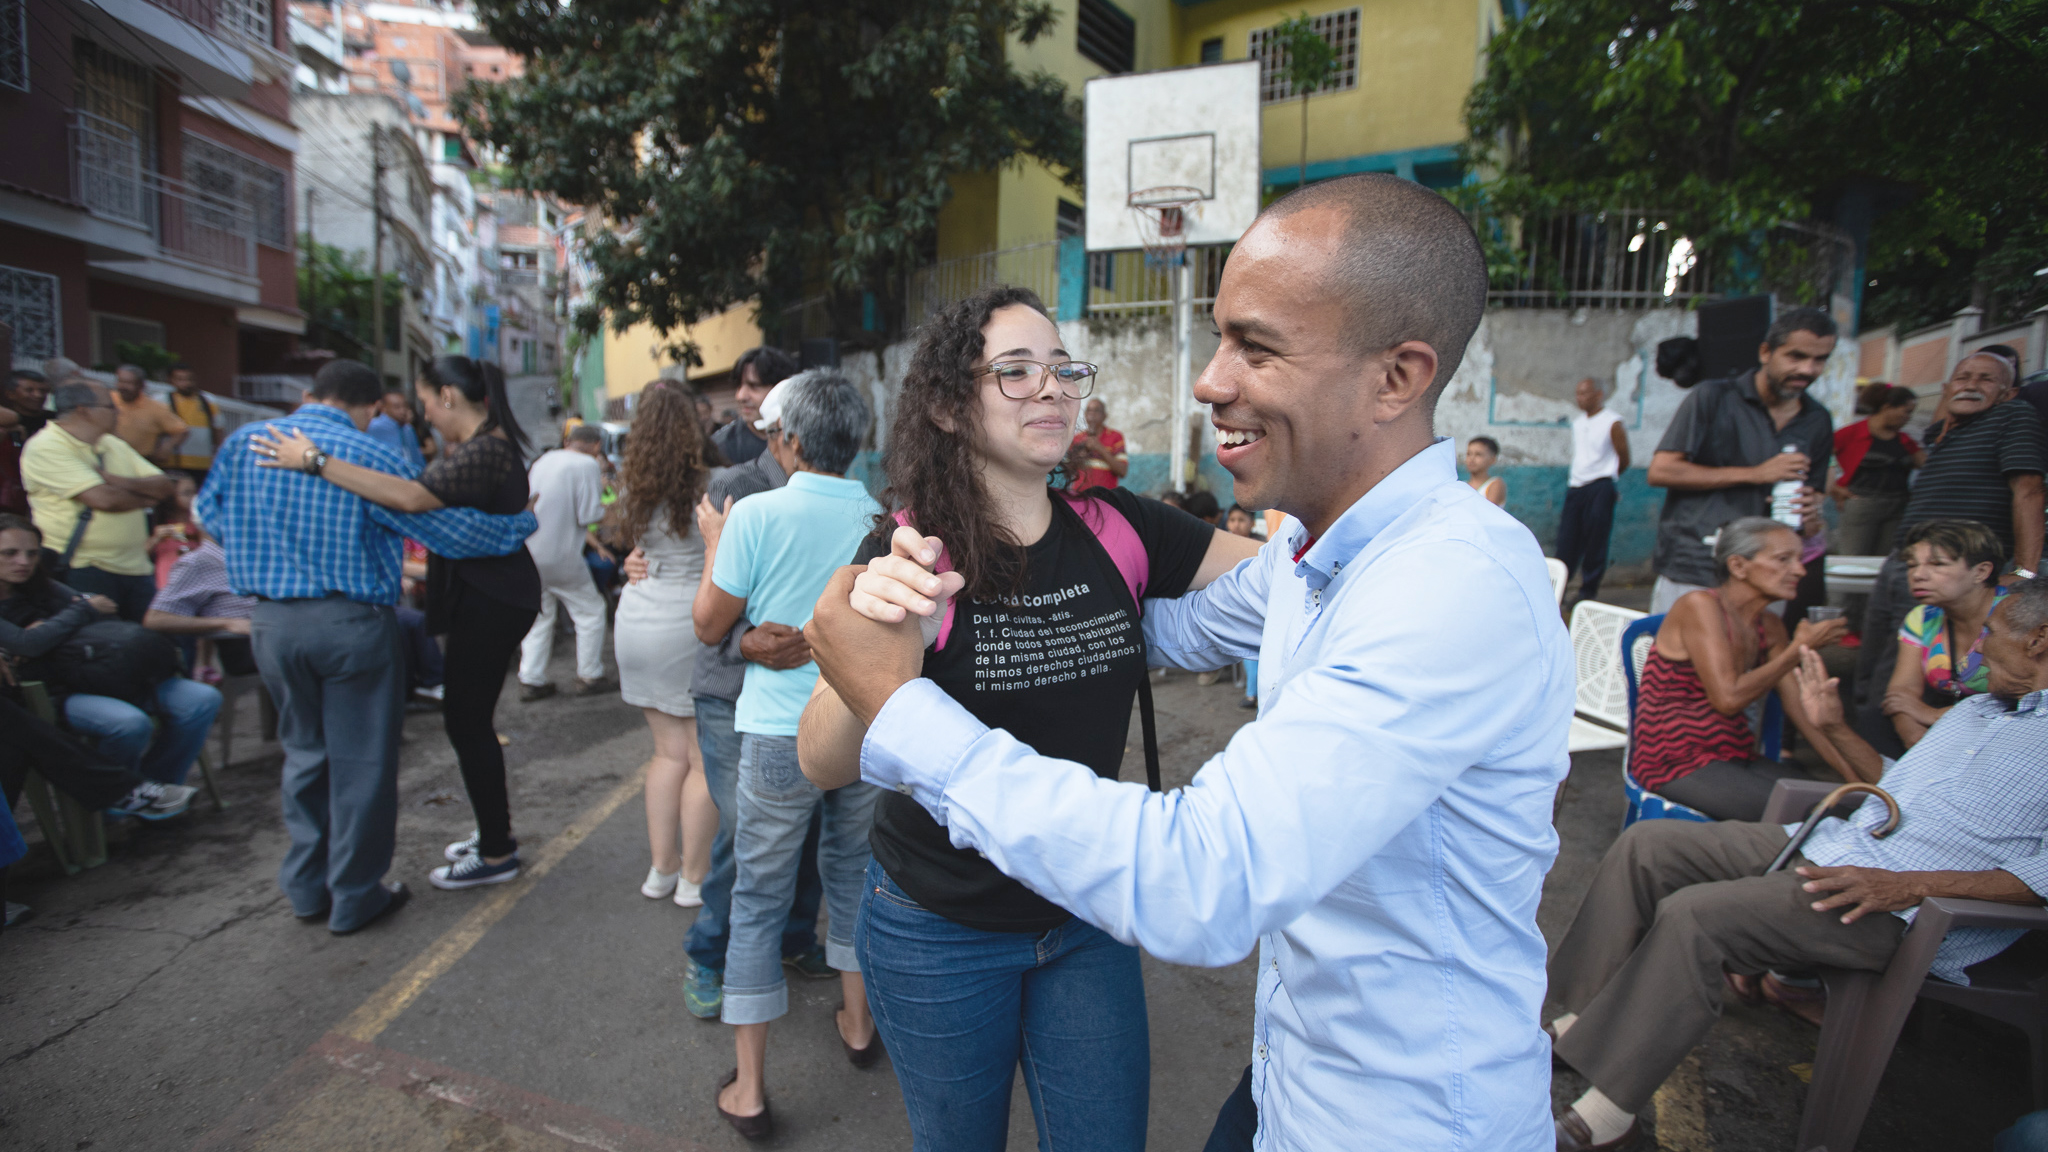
1310 62
765 150
1927 116
334 293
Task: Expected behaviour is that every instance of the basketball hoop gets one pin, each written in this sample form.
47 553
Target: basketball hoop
1161 215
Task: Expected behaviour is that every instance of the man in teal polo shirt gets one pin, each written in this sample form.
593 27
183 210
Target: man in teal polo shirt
770 559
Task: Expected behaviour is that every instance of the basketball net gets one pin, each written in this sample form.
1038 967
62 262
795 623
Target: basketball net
1161 215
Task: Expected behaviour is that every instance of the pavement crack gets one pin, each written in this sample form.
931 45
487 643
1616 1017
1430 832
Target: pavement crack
144 979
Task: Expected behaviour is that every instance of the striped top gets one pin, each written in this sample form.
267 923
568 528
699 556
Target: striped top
1970 465
1676 728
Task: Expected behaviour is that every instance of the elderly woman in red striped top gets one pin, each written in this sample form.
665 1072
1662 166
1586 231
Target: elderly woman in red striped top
1719 652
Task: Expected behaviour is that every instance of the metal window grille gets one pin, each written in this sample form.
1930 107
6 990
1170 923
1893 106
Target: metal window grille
230 175
113 87
30 304
1339 28
249 19
14 44
1105 34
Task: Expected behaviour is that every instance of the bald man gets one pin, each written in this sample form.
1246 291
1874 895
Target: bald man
1381 832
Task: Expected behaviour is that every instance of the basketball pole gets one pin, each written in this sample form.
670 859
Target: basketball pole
1183 366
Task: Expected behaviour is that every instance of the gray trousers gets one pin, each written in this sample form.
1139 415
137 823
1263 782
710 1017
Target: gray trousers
335 670
1673 905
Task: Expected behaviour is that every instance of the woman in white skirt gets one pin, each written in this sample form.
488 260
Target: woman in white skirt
663 477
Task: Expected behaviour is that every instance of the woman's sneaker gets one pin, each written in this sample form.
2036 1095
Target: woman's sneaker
456 851
471 872
153 801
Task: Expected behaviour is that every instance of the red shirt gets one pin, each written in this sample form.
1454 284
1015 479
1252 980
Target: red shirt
1097 473
1852 443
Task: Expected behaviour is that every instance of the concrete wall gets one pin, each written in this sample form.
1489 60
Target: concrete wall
1514 384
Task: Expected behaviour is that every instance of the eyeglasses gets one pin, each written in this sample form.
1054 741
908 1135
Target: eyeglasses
1022 379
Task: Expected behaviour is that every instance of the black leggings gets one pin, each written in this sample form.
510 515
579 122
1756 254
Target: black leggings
483 637
1731 789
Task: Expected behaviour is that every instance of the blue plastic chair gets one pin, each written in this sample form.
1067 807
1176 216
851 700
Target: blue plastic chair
1644 804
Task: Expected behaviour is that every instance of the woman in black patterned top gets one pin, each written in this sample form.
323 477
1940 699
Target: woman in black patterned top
483 607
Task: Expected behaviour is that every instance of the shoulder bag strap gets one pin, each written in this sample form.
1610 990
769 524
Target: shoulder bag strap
77 535
1147 720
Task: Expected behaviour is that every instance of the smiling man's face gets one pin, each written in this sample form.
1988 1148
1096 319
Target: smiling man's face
1288 392
1977 383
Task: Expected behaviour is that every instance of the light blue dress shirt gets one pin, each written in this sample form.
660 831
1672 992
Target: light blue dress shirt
1381 831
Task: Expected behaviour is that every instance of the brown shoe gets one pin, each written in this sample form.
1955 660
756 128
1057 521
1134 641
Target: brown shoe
1744 988
597 687
1808 1004
528 693
858 1057
1574 1136
758 1127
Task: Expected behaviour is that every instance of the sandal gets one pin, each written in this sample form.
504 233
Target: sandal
1808 1004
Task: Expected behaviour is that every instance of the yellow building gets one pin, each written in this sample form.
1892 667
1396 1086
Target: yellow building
616 365
1397 106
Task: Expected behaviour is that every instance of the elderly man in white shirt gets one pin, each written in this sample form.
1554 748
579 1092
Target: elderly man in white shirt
568 489
1381 832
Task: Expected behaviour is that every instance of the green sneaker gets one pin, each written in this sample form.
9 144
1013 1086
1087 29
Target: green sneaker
703 990
811 964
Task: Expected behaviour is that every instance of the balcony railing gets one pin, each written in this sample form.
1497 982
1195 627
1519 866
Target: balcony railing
187 224
249 20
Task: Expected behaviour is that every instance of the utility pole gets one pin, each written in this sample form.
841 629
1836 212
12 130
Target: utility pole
377 247
312 266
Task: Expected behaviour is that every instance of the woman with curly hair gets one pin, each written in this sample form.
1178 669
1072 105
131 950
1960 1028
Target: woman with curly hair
967 970
663 476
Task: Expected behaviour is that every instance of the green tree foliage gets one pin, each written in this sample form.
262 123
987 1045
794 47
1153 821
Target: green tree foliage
764 149
1310 62
334 293
1736 114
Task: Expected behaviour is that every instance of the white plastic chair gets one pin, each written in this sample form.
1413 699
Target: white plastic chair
1602 701
1559 576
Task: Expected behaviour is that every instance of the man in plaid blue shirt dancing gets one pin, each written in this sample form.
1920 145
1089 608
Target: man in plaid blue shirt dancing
324 566
1676 902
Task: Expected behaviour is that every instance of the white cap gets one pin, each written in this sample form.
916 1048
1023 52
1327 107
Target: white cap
771 407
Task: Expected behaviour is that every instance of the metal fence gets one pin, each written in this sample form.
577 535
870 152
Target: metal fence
1116 283
186 223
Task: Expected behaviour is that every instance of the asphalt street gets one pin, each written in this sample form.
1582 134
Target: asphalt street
169 1000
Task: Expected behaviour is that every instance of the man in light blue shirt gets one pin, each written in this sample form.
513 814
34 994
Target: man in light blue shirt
770 560
1382 830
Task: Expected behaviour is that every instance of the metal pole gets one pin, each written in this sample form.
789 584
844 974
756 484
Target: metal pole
312 267
1183 366
377 248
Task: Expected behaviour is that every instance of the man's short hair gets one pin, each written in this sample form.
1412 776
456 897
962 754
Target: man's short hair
771 365
586 434
135 368
58 369
351 382
181 366
1410 267
1798 320
30 374
2026 604
75 394
828 416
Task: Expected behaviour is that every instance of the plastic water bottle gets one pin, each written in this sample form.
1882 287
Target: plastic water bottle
1785 498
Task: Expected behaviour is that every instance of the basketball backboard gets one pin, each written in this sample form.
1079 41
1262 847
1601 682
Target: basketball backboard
1192 128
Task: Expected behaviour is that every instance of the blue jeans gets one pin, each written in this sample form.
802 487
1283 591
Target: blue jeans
126 732
711 930
775 805
959 1008
2029 1134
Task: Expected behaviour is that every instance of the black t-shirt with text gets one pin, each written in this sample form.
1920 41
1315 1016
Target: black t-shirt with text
1057 668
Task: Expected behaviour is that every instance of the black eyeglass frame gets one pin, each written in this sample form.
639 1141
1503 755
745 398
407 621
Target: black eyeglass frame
1087 382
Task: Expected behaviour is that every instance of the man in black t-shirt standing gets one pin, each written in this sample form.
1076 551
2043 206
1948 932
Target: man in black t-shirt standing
1727 447
757 371
1984 462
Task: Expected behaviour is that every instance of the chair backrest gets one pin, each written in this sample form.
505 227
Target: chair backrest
1603 688
1559 576
1636 641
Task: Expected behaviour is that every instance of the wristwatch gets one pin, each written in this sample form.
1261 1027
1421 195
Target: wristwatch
315 461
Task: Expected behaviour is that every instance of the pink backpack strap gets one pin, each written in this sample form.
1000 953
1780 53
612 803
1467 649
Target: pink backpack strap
945 564
1119 539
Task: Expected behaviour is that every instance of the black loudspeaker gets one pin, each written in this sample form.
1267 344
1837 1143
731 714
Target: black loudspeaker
1730 332
819 353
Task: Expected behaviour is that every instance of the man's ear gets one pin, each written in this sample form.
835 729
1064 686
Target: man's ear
1406 372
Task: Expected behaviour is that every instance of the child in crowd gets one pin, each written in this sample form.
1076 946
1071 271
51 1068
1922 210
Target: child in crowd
1481 454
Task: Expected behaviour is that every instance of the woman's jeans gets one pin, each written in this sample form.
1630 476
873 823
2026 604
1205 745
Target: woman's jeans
126 732
775 803
959 1008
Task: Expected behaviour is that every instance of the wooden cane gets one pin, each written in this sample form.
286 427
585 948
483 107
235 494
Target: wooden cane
1827 805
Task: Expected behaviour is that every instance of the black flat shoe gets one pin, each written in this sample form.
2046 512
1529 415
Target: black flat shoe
858 1057
755 1128
399 895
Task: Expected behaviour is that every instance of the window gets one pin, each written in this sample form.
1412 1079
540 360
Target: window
14 44
249 19
1339 28
1104 34
1102 271
29 305
110 331
226 173
1212 50
116 88
1071 222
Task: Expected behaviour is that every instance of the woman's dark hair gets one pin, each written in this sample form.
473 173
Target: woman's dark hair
1877 396
167 510
1492 445
933 473
37 586
480 383
1966 540
664 466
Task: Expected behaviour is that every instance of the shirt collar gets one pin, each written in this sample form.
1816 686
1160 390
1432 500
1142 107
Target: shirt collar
818 482
325 412
1370 514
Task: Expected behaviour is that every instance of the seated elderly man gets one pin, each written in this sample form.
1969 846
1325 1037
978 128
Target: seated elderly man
1676 904
197 601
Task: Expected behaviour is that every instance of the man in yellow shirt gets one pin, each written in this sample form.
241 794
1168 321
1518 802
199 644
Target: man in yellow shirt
75 469
202 419
148 427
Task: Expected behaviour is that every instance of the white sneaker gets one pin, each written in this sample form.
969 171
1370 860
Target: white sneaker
153 801
659 883
688 895
436 692
456 851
